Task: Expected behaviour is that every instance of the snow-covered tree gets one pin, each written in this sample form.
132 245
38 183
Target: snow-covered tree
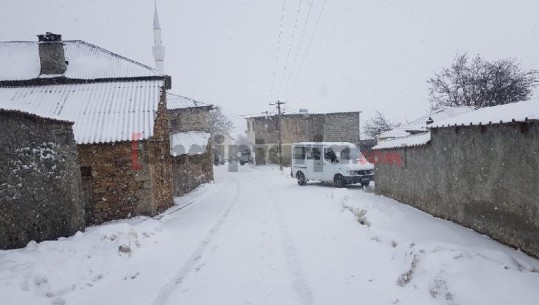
480 83
378 124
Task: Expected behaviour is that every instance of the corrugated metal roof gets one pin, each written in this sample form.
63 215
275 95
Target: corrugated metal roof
102 112
175 101
409 141
518 112
19 60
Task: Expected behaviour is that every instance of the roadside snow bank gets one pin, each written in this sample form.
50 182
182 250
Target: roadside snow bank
451 263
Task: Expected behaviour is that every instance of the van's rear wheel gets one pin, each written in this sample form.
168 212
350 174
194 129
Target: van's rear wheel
301 178
339 180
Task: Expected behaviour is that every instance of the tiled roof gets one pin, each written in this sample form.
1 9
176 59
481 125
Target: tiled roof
102 112
519 112
19 61
420 125
175 101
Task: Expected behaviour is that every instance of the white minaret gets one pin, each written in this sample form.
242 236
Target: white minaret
158 48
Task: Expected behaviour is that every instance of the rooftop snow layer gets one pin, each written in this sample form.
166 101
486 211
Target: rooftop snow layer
420 125
102 112
189 143
175 101
519 112
19 60
410 141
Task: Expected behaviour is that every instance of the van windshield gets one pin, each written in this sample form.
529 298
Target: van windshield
350 153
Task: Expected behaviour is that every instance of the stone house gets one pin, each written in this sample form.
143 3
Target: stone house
300 127
120 117
478 169
40 194
189 130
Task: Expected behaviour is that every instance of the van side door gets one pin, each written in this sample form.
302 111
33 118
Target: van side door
314 162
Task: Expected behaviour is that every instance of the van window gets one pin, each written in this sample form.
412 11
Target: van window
299 153
330 155
313 153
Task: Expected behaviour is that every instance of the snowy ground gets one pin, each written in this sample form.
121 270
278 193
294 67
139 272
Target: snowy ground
256 237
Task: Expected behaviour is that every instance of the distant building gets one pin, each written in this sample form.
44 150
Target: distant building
300 127
189 129
479 169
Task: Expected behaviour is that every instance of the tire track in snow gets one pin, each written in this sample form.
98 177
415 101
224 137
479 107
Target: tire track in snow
299 283
189 265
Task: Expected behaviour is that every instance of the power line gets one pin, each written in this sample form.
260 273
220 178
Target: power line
299 47
307 52
278 49
290 47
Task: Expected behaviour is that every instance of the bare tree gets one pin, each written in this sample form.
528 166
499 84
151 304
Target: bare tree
378 124
479 83
219 123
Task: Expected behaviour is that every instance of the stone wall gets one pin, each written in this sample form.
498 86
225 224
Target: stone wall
161 160
125 179
483 177
331 127
117 180
40 195
342 127
189 119
190 171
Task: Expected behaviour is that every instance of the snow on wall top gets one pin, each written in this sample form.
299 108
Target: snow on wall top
175 101
102 112
520 112
420 125
19 60
189 143
410 141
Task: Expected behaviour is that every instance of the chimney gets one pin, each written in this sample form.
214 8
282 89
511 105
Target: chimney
51 54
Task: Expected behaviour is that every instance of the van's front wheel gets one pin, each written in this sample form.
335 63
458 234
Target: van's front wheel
301 178
339 180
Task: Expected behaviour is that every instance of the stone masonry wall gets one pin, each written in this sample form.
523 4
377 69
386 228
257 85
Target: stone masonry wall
116 185
189 119
161 162
483 177
191 171
125 179
342 127
40 195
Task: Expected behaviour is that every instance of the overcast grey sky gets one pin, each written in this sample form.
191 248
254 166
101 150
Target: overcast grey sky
365 55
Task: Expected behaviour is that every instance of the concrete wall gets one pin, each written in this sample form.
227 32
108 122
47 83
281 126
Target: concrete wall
40 195
485 178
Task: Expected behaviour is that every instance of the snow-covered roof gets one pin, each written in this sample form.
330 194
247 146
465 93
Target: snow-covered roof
19 61
519 112
34 116
175 101
189 143
409 141
102 112
420 125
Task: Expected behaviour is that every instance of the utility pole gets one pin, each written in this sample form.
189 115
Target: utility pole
278 105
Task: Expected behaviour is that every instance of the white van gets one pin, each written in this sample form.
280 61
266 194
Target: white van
339 162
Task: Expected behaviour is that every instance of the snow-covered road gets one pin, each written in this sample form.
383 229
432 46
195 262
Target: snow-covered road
256 237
